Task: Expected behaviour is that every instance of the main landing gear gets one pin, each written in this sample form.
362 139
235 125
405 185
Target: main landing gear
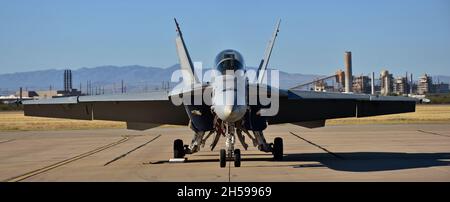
277 149
178 149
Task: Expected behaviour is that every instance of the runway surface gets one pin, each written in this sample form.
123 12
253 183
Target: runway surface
333 153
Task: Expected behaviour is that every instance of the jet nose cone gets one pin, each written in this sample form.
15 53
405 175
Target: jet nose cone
230 113
223 112
227 111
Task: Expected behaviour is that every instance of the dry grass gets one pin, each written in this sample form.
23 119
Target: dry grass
423 114
12 121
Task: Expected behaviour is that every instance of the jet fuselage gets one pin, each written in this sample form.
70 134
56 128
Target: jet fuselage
229 86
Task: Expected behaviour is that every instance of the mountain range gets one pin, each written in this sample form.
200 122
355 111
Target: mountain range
135 78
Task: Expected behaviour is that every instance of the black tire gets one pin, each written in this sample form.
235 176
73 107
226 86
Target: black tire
178 149
223 158
237 158
278 149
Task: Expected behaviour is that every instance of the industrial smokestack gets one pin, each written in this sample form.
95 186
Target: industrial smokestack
123 90
386 85
67 80
411 85
373 84
348 72
70 80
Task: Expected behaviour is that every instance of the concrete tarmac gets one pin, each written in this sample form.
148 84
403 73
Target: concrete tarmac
334 153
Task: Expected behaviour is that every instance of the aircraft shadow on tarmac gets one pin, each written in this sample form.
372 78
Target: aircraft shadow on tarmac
351 161
373 161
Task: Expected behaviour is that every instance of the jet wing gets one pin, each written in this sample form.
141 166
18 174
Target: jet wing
306 106
154 107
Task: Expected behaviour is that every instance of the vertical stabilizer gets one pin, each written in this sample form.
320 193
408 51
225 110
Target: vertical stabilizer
186 64
265 61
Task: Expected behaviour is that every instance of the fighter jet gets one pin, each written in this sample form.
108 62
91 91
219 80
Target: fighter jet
237 107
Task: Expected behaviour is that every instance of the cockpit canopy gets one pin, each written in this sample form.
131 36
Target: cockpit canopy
229 60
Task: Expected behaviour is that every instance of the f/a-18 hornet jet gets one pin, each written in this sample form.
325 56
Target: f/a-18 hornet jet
233 103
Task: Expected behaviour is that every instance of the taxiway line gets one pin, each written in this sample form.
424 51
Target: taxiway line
134 149
433 133
316 145
229 171
7 141
64 162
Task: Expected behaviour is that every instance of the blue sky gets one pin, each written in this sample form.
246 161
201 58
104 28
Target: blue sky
400 35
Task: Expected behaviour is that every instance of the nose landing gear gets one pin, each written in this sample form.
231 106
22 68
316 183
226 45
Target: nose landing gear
223 158
229 153
236 157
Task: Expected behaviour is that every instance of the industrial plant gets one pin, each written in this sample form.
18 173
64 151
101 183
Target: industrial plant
26 94
68 90
384 84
